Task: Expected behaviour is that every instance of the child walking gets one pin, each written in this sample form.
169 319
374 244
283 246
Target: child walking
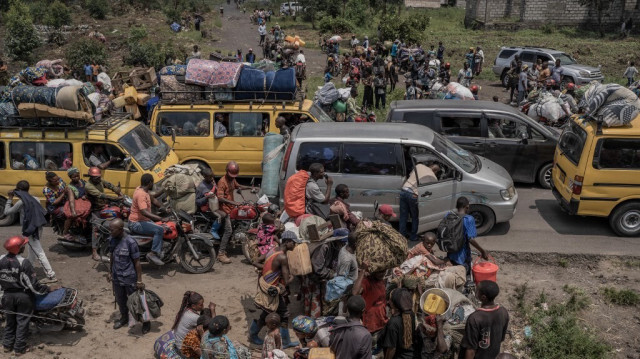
272 340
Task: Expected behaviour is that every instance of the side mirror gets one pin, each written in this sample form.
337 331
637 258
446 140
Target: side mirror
127 163
458 176
524 137
173 137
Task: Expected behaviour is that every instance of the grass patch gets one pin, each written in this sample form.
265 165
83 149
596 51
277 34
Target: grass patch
632 263
563 263
556 330
623 297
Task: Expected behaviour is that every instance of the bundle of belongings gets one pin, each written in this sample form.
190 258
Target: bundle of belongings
180 184
548 105
379 245
612 104
333 101
225 81
455 91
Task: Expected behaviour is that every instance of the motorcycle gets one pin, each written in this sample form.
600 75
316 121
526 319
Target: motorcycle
245 220
58 310
195 250
82 234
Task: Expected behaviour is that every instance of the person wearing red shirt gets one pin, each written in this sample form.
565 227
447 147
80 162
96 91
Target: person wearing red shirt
373 289
227 185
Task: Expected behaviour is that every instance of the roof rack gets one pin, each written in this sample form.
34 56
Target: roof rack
41 124
219 98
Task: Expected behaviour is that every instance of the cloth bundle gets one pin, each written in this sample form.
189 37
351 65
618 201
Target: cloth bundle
172 89
547 106
179 70
53 67
456 90
213 74
381 246
34 94
327 95
62 83
614 104
180 184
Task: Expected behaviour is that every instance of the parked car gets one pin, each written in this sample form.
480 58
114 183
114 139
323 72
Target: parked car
374 159
493 130
596 173
573 72
287 7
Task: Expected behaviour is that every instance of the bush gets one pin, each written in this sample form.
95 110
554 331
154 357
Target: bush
145 54
38 10
172 14
98 9
335 25
137 34
58 15
21 37
356 12
408 28
85 50
621 297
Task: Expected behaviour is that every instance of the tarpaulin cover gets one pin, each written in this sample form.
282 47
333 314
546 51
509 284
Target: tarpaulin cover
614 104
328 94
174 70
283 84
251 84
213 74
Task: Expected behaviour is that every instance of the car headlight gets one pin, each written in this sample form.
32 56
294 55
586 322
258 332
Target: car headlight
508 193
584 73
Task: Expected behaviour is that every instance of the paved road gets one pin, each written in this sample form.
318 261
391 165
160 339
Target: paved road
540 226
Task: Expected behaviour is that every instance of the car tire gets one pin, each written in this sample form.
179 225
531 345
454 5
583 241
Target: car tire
504 79
544 176
485 218
625 220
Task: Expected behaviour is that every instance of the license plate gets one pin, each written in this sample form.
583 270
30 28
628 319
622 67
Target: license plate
562 177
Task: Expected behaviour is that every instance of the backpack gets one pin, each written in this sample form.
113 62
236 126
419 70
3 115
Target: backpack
451 233
295 193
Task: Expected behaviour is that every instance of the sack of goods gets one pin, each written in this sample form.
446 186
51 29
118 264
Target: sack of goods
548 107
327 95
379 245
614 104
458 91
180 184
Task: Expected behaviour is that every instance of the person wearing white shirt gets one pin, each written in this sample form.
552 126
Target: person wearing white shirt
300 57
262 30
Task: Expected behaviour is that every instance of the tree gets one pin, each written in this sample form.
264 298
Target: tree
57 15
98 9
21 35
86 50
599 6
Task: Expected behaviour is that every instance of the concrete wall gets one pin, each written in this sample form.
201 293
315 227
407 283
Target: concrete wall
422 3
534 13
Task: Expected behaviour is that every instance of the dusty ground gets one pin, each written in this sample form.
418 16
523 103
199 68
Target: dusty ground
232 286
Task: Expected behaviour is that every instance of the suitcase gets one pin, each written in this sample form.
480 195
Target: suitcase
299 260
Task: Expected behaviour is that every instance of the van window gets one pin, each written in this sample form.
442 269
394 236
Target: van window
3 163
572 142
326 153
294 119
528 57
184 123
52 156
421 118
96 154
461 125
505 54
617 154
505 128
371 159
244 124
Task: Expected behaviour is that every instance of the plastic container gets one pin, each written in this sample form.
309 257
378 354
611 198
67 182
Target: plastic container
434 304
485 270
444 293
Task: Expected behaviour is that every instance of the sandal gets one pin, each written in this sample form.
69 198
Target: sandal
96 257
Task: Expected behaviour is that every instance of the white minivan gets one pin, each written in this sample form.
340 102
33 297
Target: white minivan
373 160
287 8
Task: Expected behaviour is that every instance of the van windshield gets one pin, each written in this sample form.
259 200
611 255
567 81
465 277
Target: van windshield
572 142
145 146
319 114
466 160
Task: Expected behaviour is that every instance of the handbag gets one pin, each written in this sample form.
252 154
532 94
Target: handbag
319 209
268 296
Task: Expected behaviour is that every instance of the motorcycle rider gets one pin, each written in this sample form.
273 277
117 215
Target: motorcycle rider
445 73
19 283
94 189
227 185
205 191
569 97
141 220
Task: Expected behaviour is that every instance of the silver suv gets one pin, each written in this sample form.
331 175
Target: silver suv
573 72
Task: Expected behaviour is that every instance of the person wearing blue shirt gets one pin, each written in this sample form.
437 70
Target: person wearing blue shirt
88 72
463 256
250 57
394 49
327 75
151 104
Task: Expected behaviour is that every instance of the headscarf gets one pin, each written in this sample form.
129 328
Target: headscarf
73 170
401 299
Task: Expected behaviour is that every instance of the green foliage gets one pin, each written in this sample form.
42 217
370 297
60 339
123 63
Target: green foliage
409 27
145 54
38 10
356 12
548 29
21 37
98 9
57 15
137 33
85 50
172 14
335 25
621 297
